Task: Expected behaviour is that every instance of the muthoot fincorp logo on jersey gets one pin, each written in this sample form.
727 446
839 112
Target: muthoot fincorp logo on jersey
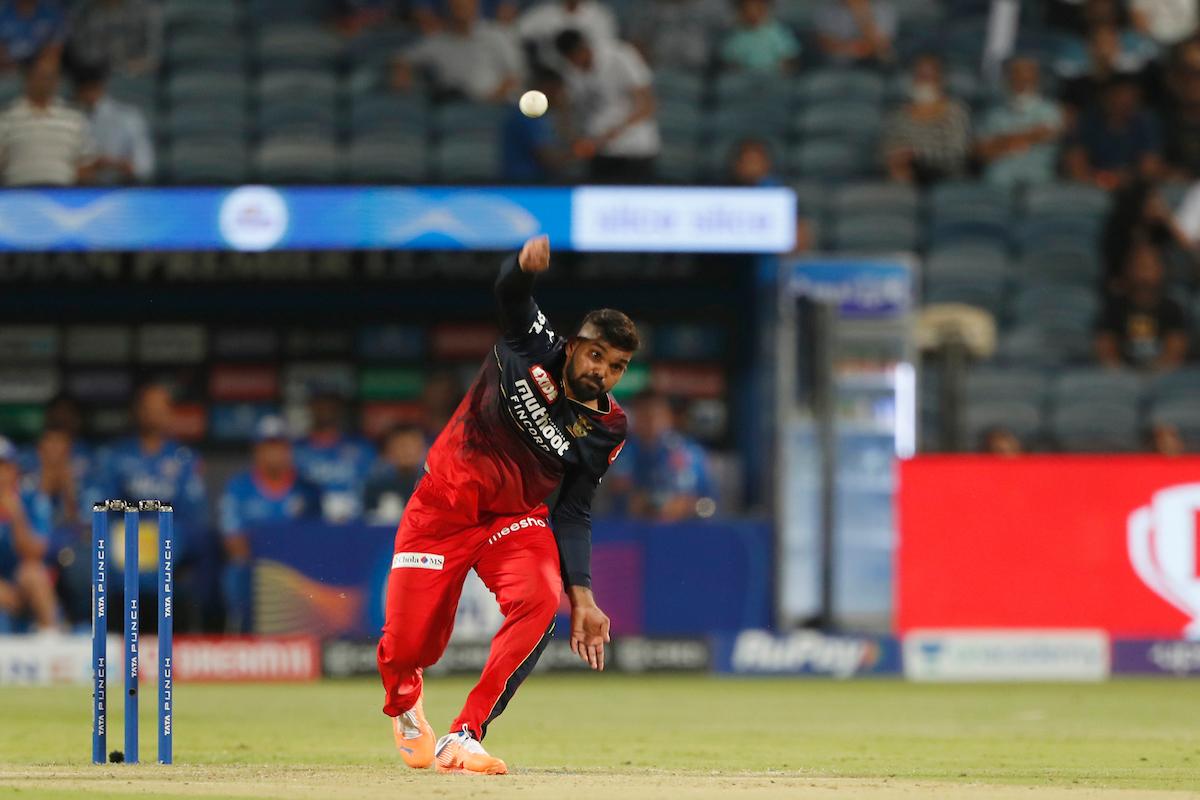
534 417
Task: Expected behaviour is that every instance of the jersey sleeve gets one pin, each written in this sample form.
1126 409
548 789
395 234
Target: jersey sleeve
522 323
572 525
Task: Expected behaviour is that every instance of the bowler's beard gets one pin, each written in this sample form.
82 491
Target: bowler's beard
582 386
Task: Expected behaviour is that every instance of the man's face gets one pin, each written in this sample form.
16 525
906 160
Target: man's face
326 413
652 418
54 448
463 11
274 456
89 94
154 411
752 165
41 80
1105 46
753 12
1023 76
594 366
405 449
1121 101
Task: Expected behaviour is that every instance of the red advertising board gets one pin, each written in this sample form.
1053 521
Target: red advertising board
1107 542
237 658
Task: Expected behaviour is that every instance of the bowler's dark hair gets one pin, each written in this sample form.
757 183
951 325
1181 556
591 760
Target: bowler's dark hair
615 328
568 42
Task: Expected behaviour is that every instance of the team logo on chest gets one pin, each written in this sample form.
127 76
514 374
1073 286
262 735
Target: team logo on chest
544 383
582 427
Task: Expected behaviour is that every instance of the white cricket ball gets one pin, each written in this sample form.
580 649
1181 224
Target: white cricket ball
533 103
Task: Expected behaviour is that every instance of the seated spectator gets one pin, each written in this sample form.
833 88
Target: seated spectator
678 34
1018 140
31 29
1167 22
42 140
1083 88
1139 214
395 475
1183 114
662 474
753 165
470 58
758 42
1165 440
539 27
124 150
1134 52
55 480
532 151
25 584
270 491
929 138
333 461
857 31
1141 326
63 414
431 15
151 465
124 35
1000 441
611 95
1117 141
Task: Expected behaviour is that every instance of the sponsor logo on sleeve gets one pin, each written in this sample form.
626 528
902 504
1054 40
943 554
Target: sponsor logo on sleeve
418 561
544 382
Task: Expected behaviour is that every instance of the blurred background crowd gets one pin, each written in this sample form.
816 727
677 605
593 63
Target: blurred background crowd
1039 156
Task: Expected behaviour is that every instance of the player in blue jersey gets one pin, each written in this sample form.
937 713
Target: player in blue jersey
270 491
25 583
335 462
150 465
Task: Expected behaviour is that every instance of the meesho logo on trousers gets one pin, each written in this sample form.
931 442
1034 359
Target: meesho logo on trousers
1163 549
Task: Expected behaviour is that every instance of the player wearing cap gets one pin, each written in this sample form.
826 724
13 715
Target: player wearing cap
270 491
538 417
24 527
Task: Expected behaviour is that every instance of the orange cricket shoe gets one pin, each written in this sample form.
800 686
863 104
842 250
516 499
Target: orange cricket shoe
414 736
460 752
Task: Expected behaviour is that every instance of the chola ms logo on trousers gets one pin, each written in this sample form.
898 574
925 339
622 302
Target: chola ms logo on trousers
418 561
1162 549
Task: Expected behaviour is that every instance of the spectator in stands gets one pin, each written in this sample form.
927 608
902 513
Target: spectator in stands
1082 88
857 31
678 34
25 583
1134 52
532 150
753 165
612 101
759 42
124 35
269 492
662 474
333 461
394 477
1183 116
441 395
1166 440
1142 326
540 26
1117 141
55 478
42 140
63 414
1000 441
431 15
470 58
124 151
1018 141
1167 22
929 138
31 29
1139 214
152 465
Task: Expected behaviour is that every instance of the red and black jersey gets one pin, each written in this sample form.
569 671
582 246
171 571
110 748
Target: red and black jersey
516 436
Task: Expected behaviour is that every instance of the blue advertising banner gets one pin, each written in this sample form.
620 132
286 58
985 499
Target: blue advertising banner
860 288
261 218
759 652
1155 657
651 579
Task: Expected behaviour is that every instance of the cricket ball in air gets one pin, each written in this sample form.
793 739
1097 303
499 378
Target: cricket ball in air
534 103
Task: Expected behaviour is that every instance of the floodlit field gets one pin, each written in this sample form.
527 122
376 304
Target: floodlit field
618 737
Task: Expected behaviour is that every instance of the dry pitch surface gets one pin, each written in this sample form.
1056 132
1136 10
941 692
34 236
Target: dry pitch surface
608 736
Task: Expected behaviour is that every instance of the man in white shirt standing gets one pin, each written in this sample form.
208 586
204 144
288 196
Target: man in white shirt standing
470 58
42 140
612 103
541 25
124 150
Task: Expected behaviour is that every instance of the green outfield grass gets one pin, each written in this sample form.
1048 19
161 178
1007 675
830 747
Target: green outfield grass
591 735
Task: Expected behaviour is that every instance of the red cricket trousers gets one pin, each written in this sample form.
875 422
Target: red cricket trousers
516 557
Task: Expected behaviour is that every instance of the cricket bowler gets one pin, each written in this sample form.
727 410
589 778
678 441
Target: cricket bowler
538 416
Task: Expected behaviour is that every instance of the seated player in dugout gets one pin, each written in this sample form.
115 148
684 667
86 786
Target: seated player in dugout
538 416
